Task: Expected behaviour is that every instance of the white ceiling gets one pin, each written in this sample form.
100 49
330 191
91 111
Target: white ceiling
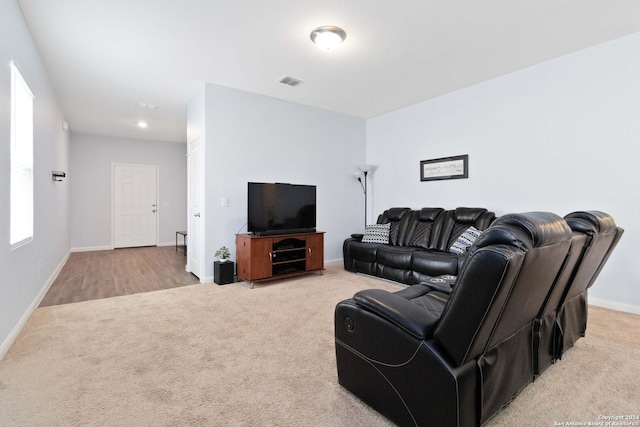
105 56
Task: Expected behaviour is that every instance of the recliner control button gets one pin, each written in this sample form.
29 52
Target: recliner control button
348 323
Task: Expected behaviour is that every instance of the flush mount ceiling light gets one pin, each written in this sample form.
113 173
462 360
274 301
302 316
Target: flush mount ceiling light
142 124
328 37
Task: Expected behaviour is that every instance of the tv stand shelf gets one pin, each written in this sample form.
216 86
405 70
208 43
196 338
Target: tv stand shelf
262 258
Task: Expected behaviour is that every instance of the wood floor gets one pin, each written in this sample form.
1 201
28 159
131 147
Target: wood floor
105 274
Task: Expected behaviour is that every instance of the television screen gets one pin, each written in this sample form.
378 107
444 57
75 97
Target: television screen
280 208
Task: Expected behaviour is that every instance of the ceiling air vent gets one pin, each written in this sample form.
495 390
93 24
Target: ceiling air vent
147 107
287 80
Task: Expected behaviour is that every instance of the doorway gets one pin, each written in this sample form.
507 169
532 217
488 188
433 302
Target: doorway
135 205
195 195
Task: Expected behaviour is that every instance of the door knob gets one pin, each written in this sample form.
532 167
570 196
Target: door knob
154 211
197 215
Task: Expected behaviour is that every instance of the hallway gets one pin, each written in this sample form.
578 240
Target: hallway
105 274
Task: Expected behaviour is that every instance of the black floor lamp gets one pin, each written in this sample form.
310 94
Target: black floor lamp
363 171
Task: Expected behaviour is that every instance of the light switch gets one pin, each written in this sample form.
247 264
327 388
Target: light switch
165 204
225 202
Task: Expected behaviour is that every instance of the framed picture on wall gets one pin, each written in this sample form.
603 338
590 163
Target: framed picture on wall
454 167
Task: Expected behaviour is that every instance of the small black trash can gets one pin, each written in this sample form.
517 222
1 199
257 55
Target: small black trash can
223 272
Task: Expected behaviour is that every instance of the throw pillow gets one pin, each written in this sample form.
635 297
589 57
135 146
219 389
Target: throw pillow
465 240
376 233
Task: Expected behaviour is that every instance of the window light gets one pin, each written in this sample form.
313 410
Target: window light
21 200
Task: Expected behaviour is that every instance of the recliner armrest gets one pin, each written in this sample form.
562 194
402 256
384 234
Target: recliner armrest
399 311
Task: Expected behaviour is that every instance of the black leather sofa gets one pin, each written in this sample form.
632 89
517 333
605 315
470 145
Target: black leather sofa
419 243
429 356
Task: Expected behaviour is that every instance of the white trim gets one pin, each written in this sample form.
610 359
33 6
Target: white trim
110 248
614 305
16 66
92 248
6 344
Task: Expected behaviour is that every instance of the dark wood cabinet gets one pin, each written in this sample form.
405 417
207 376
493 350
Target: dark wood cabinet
315 252
261 258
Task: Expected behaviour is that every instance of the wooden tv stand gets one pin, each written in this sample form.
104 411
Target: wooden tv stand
262 258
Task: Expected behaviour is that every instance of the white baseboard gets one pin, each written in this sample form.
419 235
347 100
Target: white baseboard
36 302
92 248
614 305
167 244
109 248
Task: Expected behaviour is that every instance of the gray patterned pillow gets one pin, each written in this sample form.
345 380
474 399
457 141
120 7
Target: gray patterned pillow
465 240
376 233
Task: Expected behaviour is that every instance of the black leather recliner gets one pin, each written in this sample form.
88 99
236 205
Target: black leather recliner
421 357
563 318
572 314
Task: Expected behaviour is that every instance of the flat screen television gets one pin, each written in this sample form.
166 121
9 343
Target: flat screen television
280 208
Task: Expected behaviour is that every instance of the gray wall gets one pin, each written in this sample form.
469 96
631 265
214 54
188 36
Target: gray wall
251 137
561 136
91 158
27 270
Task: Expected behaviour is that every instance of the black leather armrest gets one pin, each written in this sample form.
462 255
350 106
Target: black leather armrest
445 289
357 236
399 311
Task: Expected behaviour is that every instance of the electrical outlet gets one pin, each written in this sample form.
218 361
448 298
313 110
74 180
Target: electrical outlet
224 202
40 266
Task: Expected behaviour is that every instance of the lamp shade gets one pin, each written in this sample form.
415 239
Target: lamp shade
366 168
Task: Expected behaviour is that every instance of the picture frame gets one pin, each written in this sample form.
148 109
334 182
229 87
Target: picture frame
454 167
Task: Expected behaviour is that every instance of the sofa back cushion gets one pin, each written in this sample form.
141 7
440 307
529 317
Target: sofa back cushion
432 228
456 222
393 216
605 236
419 230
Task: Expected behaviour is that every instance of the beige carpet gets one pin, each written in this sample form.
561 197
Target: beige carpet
229 355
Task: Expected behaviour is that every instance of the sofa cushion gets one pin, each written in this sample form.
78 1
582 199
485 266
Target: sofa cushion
365 252
395 256
465 240
458 221
423 227
376 233
434 263
468 215
393 216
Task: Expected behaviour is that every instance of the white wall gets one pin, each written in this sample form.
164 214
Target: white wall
89 175
250 137
560 136
27 271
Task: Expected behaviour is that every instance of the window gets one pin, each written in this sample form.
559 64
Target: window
21 230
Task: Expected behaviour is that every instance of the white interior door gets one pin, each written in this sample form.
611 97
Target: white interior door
195 224
135 205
